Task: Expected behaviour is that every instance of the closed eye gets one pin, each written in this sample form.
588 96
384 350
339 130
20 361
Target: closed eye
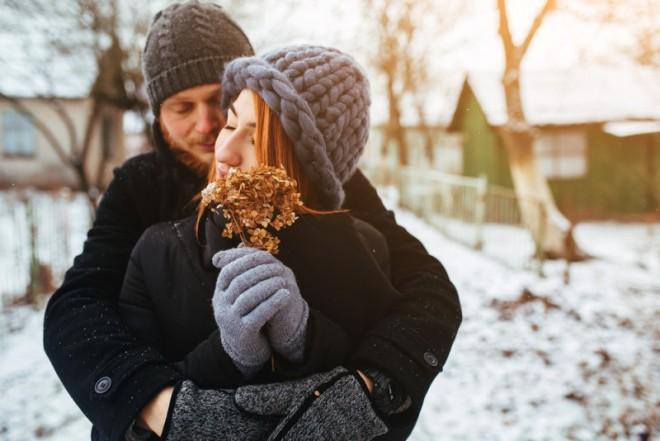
182 107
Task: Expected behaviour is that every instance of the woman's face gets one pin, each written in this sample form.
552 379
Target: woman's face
234 146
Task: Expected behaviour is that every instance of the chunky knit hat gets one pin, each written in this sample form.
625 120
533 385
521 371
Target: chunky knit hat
321 96
187 46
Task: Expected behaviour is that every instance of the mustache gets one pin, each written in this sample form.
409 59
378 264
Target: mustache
205 139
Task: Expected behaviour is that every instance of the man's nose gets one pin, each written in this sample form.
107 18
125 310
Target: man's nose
209 119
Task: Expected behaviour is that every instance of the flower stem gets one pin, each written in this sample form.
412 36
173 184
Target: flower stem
238 227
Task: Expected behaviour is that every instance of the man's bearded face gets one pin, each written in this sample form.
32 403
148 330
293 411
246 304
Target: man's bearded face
190 121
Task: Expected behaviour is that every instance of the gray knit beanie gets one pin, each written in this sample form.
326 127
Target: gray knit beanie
188 45
322 98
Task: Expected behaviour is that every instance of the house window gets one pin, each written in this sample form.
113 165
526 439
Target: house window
562 154
18 134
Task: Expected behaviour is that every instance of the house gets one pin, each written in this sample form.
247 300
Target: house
597 136
445 155
28 158
430 145
44 97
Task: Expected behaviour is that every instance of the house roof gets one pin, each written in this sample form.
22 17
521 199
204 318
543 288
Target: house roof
571 97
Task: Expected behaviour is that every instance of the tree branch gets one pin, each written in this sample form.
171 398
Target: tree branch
89 129
536 24
505 32
68 123
48 134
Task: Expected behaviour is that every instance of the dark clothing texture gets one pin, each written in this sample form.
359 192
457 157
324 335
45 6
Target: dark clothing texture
166 295
112 375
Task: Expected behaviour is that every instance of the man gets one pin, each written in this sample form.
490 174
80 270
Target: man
115 379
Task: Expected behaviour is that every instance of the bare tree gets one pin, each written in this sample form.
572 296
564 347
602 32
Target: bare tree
640 19
404 31
103 36
549 227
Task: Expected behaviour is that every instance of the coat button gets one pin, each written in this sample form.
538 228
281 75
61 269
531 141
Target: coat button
102 385
430 359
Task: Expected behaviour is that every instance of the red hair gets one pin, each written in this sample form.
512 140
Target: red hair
274 148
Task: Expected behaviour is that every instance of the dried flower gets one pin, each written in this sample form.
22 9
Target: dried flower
252 201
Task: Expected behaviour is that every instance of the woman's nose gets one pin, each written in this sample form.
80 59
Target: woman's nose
226 153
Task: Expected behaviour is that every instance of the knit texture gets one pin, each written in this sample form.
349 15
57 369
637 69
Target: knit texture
248 293
332 405
188 45
201 415
286 330
321 96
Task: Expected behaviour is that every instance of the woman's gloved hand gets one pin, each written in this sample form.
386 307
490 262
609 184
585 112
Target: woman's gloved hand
254 288
247 294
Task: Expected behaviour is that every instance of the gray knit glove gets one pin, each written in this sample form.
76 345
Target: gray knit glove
248 293
201 415
287 329
332 405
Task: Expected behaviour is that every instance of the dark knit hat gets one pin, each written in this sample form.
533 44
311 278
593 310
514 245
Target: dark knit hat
321 96
188 45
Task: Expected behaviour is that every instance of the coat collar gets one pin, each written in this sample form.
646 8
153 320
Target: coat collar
211 238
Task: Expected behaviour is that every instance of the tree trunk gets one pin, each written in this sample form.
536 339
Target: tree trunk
89 188
547 225
550 229
394 129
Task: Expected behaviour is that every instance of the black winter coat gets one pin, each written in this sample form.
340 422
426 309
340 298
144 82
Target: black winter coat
112 375
166 296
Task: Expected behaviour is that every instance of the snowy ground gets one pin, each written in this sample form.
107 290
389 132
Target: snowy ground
577 361
534 359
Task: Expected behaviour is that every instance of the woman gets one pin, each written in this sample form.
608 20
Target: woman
315 125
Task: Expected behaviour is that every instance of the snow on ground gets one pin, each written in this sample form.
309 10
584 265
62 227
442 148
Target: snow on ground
535 359
577 361
35 405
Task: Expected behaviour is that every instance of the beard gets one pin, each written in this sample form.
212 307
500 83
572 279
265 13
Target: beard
185 153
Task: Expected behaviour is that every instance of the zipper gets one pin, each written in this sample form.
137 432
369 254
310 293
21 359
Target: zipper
307 403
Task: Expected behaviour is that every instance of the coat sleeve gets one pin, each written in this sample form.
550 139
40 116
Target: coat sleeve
410 344
110 374
136 305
